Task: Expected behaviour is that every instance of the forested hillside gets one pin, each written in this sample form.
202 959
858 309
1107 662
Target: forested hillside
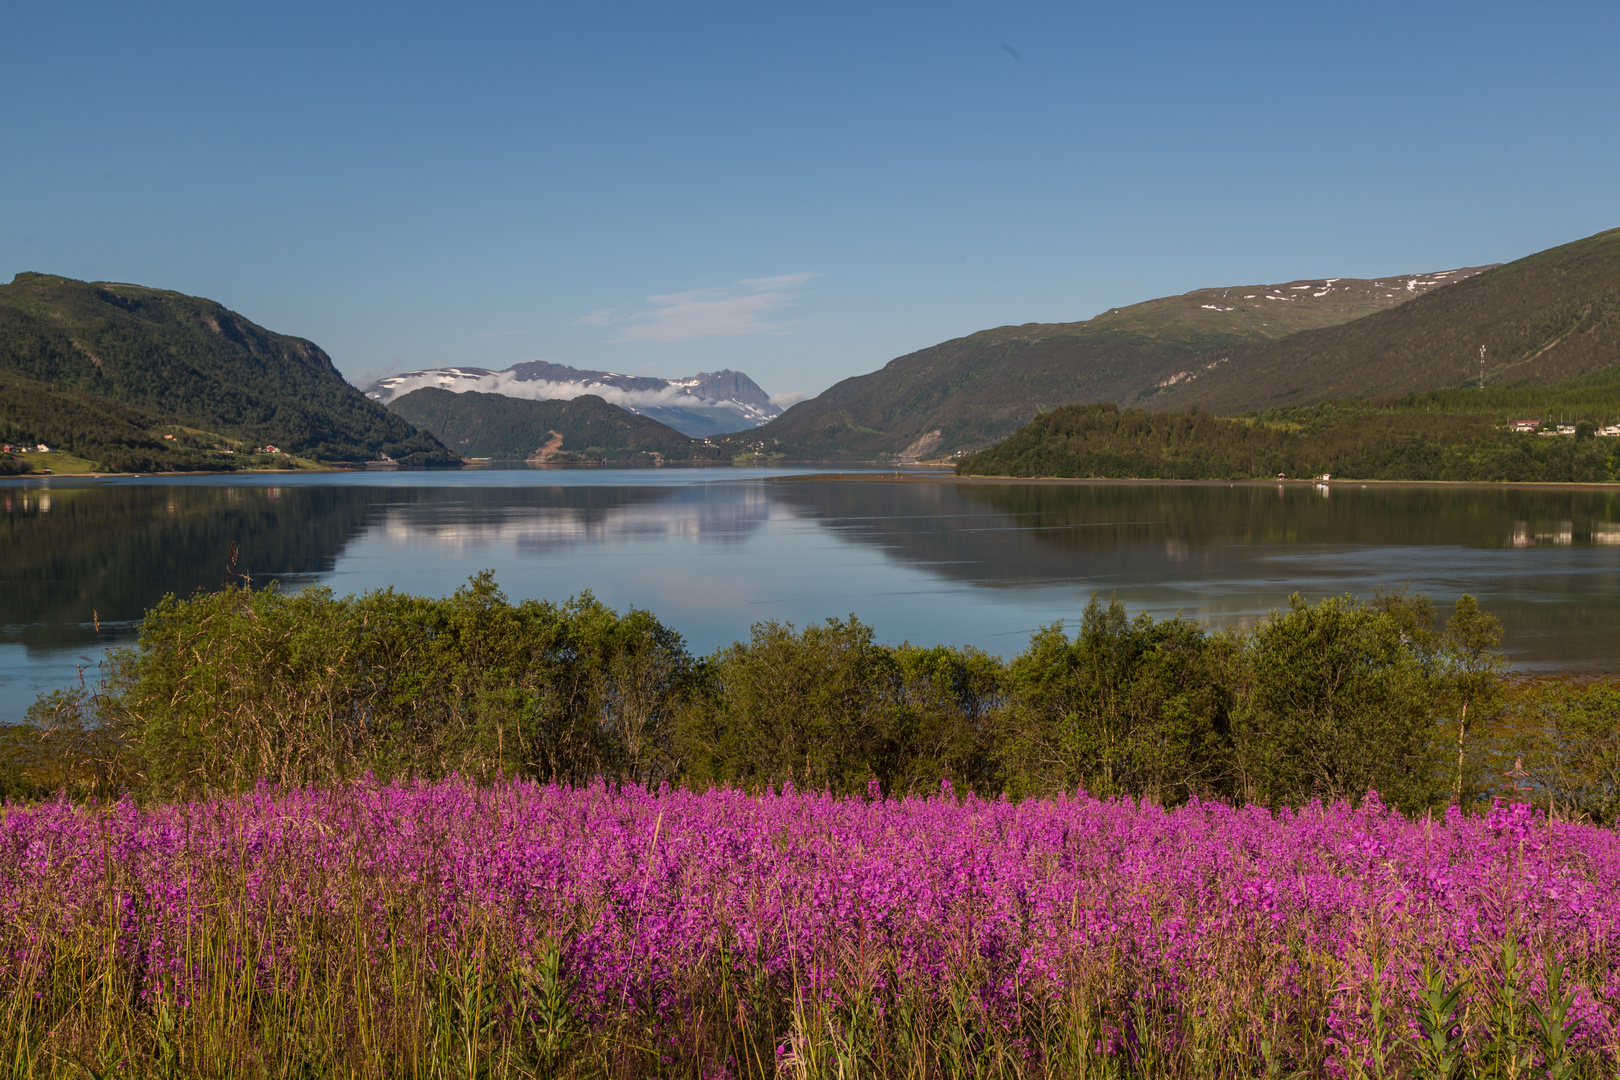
478 425
1443 435
106 370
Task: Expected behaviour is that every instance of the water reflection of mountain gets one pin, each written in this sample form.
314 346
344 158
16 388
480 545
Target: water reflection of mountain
548 520
112 551
73 553
1230 553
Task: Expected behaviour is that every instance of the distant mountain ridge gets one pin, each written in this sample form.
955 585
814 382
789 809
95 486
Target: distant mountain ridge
709 403
148 379
584 428
970 392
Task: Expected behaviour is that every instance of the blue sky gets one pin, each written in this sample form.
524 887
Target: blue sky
799 191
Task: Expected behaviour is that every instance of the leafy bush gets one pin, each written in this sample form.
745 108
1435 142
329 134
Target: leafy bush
235 685
1130 706
1324 701
828 708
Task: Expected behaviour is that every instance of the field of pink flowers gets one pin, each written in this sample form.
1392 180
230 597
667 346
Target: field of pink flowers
451 929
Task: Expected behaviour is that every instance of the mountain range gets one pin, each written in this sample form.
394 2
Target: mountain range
568 431
709 403
143 379
970 392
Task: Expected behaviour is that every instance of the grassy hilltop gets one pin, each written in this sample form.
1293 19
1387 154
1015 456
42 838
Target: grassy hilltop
139 379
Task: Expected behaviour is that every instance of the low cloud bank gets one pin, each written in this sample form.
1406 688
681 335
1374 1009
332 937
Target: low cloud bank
504 382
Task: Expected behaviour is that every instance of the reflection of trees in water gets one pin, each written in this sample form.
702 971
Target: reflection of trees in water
1308 514
545 520
1231 552
1177 523
115 550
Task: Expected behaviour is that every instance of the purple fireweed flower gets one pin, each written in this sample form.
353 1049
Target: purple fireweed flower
834 901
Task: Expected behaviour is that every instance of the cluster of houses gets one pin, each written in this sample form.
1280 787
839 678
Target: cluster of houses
1526 427
41 448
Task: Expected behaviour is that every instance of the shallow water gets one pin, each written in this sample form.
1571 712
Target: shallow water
713 550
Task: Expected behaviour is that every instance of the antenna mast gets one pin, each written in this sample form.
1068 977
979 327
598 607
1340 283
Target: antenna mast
1482 367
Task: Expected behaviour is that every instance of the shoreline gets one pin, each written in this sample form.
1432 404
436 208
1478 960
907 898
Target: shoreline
941 477
902 474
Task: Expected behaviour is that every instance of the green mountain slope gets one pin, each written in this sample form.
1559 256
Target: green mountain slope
972 391
1543 319
118 438
479 425
170 359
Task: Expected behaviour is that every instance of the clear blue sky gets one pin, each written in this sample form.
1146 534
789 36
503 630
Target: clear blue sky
798 190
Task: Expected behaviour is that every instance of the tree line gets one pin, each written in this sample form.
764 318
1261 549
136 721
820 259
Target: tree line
1350 441
1320 701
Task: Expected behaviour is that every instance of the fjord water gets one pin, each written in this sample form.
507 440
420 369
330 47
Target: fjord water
711 551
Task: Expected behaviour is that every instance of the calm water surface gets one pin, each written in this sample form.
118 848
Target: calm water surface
712 551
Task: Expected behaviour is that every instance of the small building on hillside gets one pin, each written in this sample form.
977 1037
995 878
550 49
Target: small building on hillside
1610 432
1524 427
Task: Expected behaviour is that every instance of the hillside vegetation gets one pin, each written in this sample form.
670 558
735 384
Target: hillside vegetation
107 370
1548 318
118 438
971 391
478 425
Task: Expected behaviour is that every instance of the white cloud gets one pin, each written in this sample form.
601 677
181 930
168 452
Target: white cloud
731 311
787 399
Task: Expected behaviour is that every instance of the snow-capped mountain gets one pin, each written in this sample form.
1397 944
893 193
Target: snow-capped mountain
709 403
